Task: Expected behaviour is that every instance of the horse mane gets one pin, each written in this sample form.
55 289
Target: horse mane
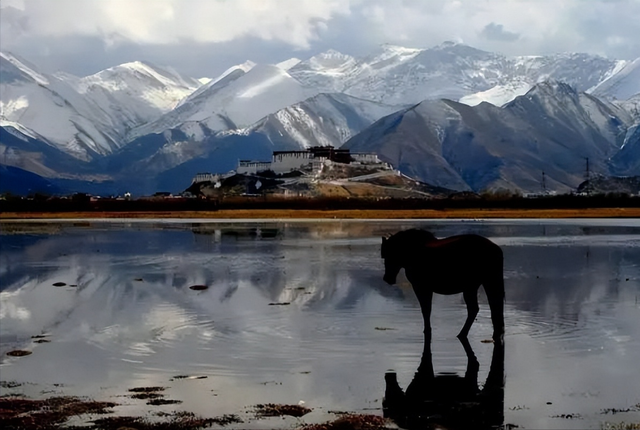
411 235
407 239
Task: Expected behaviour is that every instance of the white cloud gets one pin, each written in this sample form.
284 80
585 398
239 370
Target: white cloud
295 22
175 32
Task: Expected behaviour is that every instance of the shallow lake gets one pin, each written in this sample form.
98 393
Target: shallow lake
296 311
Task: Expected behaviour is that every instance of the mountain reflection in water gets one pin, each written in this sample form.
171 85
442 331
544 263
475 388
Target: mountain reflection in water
572 338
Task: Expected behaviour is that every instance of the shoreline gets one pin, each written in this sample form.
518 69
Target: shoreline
335 214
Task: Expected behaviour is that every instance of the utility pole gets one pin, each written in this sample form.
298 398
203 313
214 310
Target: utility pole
544 184
587 177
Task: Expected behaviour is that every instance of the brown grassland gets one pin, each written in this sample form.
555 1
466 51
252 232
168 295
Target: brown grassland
337 214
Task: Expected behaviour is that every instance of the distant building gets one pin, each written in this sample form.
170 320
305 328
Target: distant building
330 153
247 167
317 156
365 158
286 161
205 177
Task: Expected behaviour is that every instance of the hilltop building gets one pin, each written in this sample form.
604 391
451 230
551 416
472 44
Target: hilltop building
205 177
248 167
316 156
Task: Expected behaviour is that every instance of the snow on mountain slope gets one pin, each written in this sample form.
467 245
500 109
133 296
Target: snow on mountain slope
581 71
448 71
229 74
287 64
235 101
15 69
622 85
392 75
88 117
19 130
587 73
397 75
53 109
135 93
498 95
325 72
138 83
325 119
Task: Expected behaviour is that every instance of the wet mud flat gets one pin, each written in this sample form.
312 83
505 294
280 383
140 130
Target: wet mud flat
61 412
176 322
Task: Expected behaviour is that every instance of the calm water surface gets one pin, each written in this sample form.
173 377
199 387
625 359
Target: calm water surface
131 320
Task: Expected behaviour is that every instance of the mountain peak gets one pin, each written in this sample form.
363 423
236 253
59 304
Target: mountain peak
135 65
389 47
330 53
244 68
24 68
552 87
330 59
447 44
137 69
461 49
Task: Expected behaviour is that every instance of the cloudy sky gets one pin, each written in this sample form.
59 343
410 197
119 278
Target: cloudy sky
204 37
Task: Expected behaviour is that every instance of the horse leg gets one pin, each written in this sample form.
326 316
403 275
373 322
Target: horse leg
495 295
471 299
424 297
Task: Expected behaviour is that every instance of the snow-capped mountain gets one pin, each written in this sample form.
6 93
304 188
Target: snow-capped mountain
397 75
551 129
87 117
392 75
236 100
54 109
584 72
135 93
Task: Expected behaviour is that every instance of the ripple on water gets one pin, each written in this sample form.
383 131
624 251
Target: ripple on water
569 335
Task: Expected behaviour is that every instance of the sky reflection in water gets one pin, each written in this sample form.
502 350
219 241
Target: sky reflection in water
572 313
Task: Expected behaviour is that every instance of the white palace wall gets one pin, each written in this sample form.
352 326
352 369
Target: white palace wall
283 162
252 167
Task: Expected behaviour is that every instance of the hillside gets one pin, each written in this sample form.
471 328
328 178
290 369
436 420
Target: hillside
337 180
551 129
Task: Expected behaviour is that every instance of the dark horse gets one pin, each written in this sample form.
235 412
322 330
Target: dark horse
457 264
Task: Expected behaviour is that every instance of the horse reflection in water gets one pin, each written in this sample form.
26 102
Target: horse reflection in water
458 264
449 400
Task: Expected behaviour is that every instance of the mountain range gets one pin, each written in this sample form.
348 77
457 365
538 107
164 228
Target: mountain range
452 116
